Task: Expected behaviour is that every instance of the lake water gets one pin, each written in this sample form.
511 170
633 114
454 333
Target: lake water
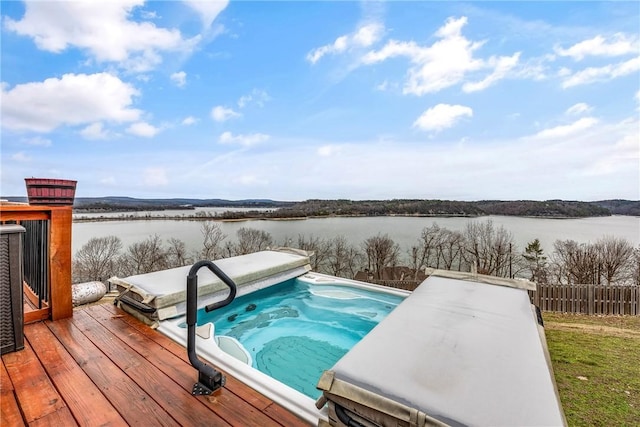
403 230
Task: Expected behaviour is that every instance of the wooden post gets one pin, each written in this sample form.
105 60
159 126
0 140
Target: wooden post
591 305
60 263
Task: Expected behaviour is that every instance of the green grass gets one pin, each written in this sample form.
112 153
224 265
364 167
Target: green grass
596 362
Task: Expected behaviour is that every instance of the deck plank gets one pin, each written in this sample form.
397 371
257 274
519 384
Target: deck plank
27 374
81 395
233 409
258 400
61 417
131 401
184 408
9 409
104 367
235 386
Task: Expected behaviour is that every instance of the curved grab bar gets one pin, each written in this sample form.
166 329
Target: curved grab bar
209 379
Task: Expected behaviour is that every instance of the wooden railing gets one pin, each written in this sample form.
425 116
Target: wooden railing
51 262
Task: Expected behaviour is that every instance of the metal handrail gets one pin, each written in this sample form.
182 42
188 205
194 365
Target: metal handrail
209 379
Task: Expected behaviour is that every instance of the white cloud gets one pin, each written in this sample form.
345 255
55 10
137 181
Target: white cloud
619 44
442 116
37 141
94 131
71 100
446 62
622 151
365 36
501 67
222 114
498 168
246 140
143 129
328 150
179 78
602 74
207 9
188 121
103 29
257 97
577 109
155 177
564 131
21 156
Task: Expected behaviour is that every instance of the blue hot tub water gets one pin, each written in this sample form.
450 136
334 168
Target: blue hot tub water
295 330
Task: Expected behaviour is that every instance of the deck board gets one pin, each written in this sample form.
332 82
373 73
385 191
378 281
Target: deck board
27 375
104 367
224 404
9 410
131 401
81 394
247 394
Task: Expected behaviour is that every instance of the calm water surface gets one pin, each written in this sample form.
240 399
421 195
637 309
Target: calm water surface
403 230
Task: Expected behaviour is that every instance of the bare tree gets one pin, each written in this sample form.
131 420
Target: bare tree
490 249
176 254
228 250
212 241
320 248
575 263
381 252
251 240
144 257
425 253
616 257
96 260
416 262
634 276
430 240
344 259
450 249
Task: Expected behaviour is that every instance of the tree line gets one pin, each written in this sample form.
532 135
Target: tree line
344 207
481 246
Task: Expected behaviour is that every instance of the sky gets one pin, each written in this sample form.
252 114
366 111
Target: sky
296 100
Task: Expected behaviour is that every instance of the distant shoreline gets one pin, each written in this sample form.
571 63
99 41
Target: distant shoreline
317 208
300 218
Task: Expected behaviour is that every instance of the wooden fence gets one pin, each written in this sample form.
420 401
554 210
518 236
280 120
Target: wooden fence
586 299
405 285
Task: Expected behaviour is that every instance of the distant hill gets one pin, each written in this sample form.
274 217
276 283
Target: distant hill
119 203
343 207
620 207
548 208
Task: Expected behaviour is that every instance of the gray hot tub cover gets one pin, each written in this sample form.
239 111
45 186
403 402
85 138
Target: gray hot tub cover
166 292
455 351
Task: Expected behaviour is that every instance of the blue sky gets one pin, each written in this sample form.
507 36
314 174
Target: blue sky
303 99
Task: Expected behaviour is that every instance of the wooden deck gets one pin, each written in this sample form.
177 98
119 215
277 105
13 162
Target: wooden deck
103 367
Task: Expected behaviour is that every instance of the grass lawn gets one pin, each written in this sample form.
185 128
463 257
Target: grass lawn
596 362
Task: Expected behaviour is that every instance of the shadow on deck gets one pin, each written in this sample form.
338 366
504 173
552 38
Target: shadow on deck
104 367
